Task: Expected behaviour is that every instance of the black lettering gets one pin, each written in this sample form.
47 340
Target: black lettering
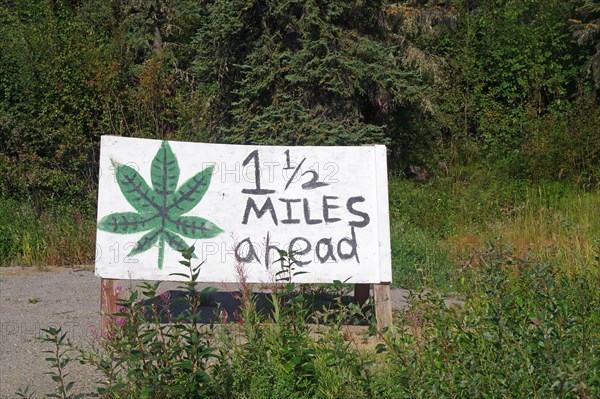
353 247
268 206
307 214
327 207
258 190
329 246
365 217
288 205
250 256
313 182
268 251
293 252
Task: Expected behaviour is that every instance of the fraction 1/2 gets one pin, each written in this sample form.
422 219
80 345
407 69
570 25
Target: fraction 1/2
258 190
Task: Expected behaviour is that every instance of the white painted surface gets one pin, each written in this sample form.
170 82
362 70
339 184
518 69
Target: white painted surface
349 172
383 215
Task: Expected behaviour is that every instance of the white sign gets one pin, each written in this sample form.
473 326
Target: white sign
238 204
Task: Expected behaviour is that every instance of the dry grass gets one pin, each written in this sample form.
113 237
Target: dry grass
547 227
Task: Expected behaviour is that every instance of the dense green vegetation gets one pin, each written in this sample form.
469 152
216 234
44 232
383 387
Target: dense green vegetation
525 329
481 104
442 83
490 113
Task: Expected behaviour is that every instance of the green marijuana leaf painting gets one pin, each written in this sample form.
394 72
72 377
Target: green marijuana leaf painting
160 208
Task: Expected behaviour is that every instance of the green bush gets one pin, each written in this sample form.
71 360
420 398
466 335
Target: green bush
525 330
298 353
566 146
145 358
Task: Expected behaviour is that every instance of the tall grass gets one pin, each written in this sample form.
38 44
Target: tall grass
556 225
438 225
59 236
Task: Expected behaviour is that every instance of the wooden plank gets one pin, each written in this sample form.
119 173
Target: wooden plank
108 303
361 293
383 305
383 215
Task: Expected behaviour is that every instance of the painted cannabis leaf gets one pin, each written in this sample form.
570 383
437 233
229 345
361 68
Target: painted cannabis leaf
160 209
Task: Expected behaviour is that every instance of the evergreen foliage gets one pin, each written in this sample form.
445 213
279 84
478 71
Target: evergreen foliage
587 33
441 83
307 72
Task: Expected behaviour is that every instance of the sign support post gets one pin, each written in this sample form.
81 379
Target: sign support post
383 305
382 299
361 293
108 303
381 291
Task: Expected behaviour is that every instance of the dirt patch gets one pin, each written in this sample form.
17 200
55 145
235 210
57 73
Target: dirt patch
30 300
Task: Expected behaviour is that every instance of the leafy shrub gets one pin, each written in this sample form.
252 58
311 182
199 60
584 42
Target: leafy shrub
525 330
285 356
566 145
145 358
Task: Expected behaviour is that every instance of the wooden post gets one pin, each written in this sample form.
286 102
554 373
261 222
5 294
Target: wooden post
108 303
383 305
381 291
361 293
383 302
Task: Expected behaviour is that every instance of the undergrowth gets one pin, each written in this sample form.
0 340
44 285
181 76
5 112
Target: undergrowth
60 236
526 328
439 224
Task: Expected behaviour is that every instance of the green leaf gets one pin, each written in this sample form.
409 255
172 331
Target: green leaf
180 275
164 171
175 241
190 193
193 227
146 392
146 242
136 190
128 223
208 291
160 207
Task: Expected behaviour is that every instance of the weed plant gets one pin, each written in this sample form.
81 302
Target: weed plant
58 359
146 358
60 236
526 328
295 353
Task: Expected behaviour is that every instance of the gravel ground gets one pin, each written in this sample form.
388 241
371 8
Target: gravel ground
31 299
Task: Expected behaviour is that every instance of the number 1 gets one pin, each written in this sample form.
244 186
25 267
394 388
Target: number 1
257 191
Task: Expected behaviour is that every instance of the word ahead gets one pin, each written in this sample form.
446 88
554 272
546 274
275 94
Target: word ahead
240 206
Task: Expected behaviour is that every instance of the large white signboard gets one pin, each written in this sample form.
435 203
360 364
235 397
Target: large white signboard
238 204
